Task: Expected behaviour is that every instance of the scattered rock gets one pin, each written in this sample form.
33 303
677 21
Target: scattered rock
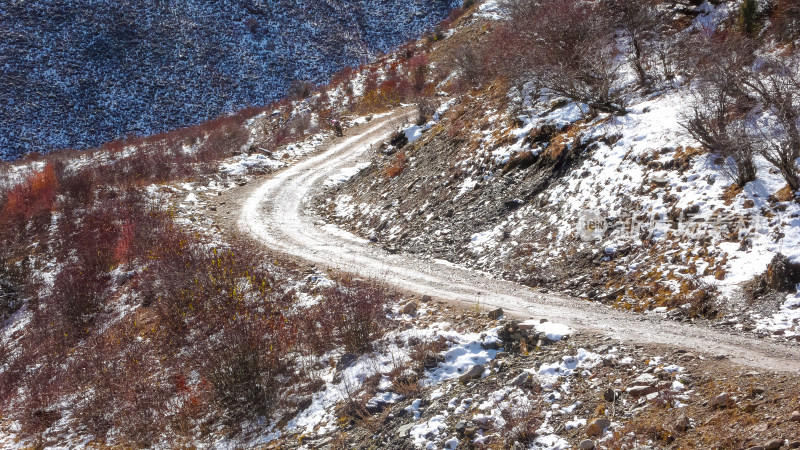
774 444
721 401
586 444
596 426
496 314
610 395
683 424
640 391
660 181
645 379
520 379
404 430
473 373
410 308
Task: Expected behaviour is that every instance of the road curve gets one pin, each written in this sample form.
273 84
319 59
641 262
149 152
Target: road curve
278 213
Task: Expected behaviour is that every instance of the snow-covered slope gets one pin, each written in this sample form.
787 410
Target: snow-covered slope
624 209
79 73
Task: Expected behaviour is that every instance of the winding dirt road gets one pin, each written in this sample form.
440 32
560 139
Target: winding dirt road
277 212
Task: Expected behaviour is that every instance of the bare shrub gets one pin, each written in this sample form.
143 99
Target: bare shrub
352 314
32 200
468 63
78 291
419 68
521 422
130 387
397 166
721 103
245 364
786 20
13 275
426 108
776 82
570 49
76 186
646 27
300 89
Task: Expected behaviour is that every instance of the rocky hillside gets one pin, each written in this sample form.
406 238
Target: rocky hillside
608 191
76 74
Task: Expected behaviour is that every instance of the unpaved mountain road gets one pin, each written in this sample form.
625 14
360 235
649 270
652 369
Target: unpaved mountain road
276 211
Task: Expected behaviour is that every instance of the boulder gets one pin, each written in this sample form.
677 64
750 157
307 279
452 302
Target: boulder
409 308
496 314
596 426
795 417
640 391
610 395
645 379
774 444
683 424
520 379
404 430
473 373
721 401
586 444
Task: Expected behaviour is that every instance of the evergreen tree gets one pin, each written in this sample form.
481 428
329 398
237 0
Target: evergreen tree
748 19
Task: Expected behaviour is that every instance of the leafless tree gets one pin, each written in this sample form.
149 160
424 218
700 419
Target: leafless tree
467 62
717 117
776 81
645 26
710 124
570 48
786 20
300 89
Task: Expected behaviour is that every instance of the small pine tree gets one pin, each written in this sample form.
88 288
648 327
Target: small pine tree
748 18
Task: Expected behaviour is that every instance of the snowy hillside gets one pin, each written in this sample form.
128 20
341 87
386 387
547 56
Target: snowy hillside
629 209
484 239
77 73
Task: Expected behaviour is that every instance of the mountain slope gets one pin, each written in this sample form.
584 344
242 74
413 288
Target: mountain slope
629 209
79 73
